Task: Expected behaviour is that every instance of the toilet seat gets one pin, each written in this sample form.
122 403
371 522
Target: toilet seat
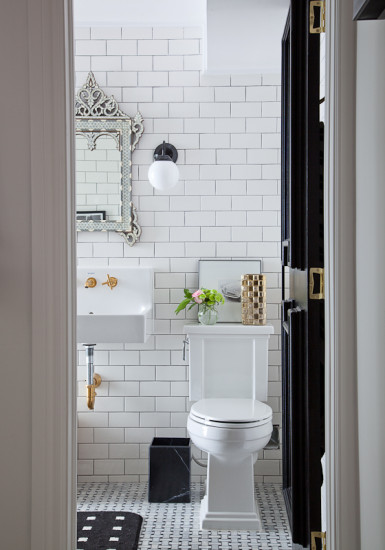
231 413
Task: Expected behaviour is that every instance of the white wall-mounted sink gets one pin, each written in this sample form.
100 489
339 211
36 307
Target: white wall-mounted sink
123 314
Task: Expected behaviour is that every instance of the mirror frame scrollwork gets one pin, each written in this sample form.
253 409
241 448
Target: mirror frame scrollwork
97 115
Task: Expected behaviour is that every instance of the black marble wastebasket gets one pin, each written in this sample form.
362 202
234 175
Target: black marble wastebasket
169 470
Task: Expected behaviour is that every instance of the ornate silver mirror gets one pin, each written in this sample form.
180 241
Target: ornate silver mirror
105 140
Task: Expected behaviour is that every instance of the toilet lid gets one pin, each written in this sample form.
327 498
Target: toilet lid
231 410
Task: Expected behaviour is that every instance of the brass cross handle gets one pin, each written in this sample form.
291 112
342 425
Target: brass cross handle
111 281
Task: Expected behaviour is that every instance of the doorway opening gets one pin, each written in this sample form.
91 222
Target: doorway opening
226 128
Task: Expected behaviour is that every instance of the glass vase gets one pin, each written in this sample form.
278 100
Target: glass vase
207 315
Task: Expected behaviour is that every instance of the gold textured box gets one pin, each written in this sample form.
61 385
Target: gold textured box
253 299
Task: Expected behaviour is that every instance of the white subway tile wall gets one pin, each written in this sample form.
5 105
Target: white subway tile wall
227 132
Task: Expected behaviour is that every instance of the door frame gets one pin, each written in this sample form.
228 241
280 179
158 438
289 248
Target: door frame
53 248
53 361
341 417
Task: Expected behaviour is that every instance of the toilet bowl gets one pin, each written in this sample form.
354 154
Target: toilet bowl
229 419
231 431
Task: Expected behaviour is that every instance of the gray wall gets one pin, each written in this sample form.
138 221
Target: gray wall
370 277
16 272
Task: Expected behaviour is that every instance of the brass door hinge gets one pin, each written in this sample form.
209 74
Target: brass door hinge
317 4
321 294
318 535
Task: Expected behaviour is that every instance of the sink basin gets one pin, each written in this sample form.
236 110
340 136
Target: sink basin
123 314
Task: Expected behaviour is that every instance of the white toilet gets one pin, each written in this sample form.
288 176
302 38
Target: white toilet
228 368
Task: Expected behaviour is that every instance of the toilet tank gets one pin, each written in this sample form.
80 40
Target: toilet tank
228 360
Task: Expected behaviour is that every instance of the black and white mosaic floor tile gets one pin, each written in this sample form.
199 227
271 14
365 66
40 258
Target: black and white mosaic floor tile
176 526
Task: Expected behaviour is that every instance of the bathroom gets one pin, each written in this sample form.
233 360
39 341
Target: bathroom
225 206
43 365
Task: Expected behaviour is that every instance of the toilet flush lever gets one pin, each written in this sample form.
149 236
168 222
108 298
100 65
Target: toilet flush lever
186 341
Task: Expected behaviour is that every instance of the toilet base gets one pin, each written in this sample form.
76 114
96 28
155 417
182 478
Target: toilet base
229 502
237 521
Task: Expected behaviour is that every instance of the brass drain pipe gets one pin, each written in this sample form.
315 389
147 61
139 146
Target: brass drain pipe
93 380
91 393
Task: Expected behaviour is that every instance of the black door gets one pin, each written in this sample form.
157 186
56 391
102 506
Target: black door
302 263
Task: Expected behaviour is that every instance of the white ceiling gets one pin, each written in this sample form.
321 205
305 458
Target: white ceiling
240 36
154 13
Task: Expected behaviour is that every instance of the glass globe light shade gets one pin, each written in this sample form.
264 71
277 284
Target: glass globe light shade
163 174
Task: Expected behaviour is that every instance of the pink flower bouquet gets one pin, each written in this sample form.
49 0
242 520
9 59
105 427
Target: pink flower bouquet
209 298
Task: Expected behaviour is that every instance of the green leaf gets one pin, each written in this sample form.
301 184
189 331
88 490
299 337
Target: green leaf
187 293
219 298
182 305
192 305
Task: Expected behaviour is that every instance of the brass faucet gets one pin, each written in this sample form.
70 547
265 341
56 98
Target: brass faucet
111 281
90 282
91 393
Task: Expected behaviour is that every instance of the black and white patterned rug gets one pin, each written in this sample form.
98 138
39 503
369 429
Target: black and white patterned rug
108 530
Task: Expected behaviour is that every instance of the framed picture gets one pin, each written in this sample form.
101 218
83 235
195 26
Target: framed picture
89 215
225 276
